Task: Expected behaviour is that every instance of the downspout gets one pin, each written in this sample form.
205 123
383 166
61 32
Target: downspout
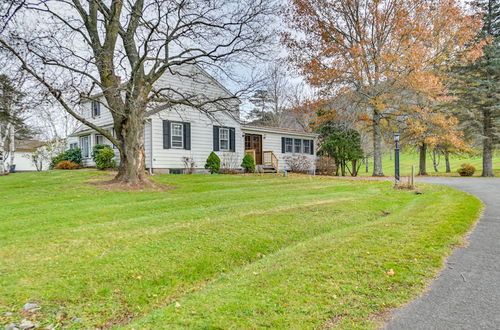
150 146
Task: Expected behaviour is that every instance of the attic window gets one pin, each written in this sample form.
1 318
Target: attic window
96 109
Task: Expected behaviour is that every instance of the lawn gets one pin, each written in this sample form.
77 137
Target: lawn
220 251
408 159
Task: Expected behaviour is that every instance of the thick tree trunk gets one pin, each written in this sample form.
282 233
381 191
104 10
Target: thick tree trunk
377 145
447 161
487 144
132 168
435 160
422 170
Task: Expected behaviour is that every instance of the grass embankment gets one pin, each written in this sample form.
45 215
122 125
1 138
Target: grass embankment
220 251
409 159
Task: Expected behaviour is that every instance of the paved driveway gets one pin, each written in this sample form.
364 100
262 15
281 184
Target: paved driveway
466 295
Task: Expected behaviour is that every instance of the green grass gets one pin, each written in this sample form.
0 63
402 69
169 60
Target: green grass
409 159
221 251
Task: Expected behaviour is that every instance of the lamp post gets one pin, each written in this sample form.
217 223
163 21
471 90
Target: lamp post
396 157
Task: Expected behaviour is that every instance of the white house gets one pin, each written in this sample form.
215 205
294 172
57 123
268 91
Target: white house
180 131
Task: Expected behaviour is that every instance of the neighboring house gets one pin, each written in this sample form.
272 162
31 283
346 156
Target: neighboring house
24 149
181 131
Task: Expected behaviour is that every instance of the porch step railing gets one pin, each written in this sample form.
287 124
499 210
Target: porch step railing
270 159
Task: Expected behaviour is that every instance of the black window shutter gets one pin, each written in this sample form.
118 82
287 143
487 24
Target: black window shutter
187 136
216 138
312 147
283 145
232 142
166 134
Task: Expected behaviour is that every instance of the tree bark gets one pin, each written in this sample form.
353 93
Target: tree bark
435 160
422 162
132 169
377 145
487 144
447 161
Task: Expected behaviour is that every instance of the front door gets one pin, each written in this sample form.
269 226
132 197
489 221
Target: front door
254 142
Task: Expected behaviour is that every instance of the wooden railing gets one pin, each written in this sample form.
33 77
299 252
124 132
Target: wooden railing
269 158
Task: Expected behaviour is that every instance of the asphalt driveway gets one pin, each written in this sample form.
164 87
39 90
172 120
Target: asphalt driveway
466 295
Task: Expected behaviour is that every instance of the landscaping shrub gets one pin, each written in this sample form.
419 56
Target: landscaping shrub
96 149
103 157
325 166
213 163
73 155
56 160
298 163
66 165
466 170
248 164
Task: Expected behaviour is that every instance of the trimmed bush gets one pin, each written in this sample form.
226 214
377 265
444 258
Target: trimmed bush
73 155
96 149
56 160
466 170
248 164
213 163
66 165
103 158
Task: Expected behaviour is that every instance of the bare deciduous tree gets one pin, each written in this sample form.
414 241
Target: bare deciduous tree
118 50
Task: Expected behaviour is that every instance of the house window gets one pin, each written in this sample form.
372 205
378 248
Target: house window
297 146
99 139
288 145
73 145
85 146
96 109
307 146
113 134
224 139
177 135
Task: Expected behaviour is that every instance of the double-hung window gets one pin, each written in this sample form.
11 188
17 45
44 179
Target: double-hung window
224 139
307 146
99 139
85 146
177 130
297 146
96 109
288 145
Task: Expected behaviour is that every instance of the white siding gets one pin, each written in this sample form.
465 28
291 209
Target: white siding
23 162
201 138
147 143
271 141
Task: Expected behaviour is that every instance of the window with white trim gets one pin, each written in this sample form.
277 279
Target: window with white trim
224 139
288 145
177 130
85 146
113 134
96 109
99 139
307 146
297 146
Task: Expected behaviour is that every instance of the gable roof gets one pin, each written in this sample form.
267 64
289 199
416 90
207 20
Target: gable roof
28 145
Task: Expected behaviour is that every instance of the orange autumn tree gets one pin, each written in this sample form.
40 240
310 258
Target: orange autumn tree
373 47
429 129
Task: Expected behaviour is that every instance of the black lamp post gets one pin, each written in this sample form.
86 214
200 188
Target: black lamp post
396 157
